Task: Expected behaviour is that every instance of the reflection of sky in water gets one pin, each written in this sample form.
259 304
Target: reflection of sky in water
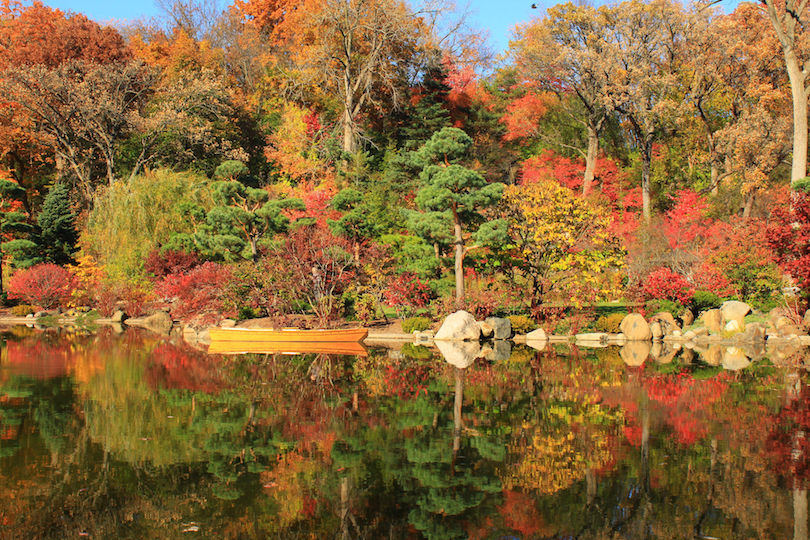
133 437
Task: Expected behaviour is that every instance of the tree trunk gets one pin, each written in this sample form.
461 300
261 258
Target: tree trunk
799 166
646 162
749 204
459 263
590 159
799 514
348 133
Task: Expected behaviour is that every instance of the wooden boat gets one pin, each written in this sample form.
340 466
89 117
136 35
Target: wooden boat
288 335
279 347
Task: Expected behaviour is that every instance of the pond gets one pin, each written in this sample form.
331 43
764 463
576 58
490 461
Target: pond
131 436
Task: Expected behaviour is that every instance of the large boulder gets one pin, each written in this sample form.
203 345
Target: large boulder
486 330
735 359
687 317
713 319
666 321
635 328
459 353
537 339
734 310
502 327
159 322
656 330
459 326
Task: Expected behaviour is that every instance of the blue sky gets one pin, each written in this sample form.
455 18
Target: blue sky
498 17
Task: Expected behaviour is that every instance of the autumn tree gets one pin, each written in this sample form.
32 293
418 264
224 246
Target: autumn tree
566 53
789 18
561 243
450 187
15 228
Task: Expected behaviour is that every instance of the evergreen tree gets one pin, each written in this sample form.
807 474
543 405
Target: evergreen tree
16 229
430 113
57 224
460 192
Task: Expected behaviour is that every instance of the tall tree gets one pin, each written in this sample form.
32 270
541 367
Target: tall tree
789 19
450 187
566 53
57 226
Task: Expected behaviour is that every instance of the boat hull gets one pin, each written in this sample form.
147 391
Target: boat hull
288 335
296 347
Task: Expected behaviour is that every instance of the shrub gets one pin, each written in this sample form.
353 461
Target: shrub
609 323
521 324
406 293
415 324
46 285
200 293
703 300
417 352
22 310
658 305
664 284
162 262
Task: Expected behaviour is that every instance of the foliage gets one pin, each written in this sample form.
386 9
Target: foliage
162 262
199 293
45 284
521 324
560 243
664 284
57 227
704 300
412 324
21 310
609 323
788 234
658 305
406 293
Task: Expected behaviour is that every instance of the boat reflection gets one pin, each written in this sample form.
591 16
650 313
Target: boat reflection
291 348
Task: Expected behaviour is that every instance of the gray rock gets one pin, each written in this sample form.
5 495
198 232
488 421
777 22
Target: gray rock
734 310
635 328
635 353
487 331
459 353
713 319
501 351
159 322
459 326
501 326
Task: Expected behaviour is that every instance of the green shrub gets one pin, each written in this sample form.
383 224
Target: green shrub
521 324
22 310
417 352
703 300
658 305
609 323
413 324
563 328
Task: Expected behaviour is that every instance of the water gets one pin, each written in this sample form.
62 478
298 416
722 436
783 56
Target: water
129 436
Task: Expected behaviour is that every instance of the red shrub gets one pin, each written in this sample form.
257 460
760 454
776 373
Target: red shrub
202 292
788 235
406 293
664 284
161 263
46 285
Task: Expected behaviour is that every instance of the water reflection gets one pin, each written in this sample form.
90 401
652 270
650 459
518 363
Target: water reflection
130 436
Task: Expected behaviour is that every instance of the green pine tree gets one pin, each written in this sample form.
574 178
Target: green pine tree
16 228
57 225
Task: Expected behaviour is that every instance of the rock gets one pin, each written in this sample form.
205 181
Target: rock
117 328
227 323
735 359
656 331
789 330
536 336
616 339
501 351
487 331
537 345
459 326
118 317
159 322
687 317
713 319
39 314
635 353
502 327
459 353
667 322
425 336
687 356
662 353
635 328
734 310
594 339
714 355
783 353
806 319
734 326
754 332
486 350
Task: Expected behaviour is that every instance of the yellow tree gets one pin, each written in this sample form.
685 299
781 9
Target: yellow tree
560 242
